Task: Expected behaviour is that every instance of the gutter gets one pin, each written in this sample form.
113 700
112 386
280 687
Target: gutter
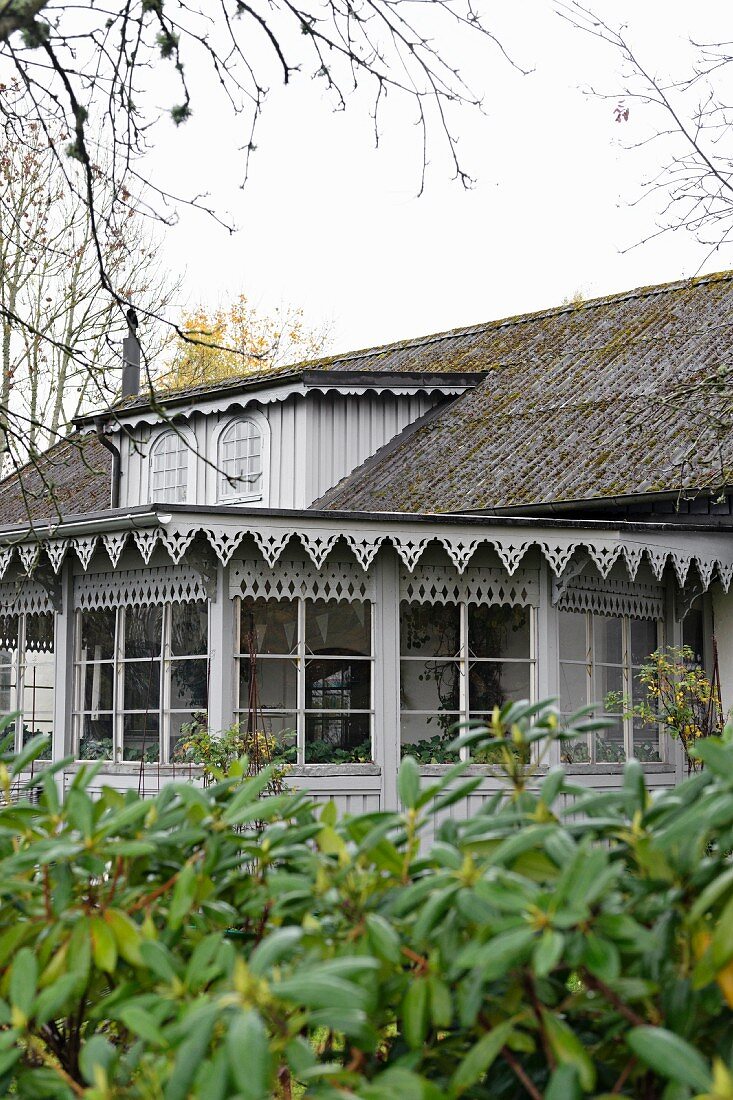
561 507
111 522
116 461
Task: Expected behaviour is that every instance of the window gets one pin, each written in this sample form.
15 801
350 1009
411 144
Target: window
457 663
169 468
240 461
305 671
141 673
27 673
600 659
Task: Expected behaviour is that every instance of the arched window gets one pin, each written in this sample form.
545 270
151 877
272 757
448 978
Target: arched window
169 465
240 460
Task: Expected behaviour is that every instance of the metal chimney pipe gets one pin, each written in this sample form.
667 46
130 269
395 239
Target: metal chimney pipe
131 357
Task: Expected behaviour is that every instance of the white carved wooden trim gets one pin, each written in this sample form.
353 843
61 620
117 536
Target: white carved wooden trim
6 556
476 585
24 594
56 552
224 542
138 587
85 547
335 581
29 553
114 545
178 542
146 542
613 597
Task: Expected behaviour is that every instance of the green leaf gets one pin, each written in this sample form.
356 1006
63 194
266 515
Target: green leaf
479 1058
159 959
23 980
441 1003
408 782
415 1018
383 939
96 1053
141 1023
274 948
329 813
722 945
184 893
126 934
104 947
31 751
712 892
569 1050
249 1056
564 1084
314 990
670 1056
188 1059
601 957
52 999
547 952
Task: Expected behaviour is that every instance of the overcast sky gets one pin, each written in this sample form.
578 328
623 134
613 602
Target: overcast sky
328 223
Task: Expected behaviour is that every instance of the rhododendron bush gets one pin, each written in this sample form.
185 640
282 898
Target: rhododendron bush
214 943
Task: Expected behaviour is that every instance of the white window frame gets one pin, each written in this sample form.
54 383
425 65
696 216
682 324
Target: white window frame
18 667
163 712
300 657
592 683
225 493
464 660
186 440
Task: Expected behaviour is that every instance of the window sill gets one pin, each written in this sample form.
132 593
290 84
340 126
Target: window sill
132 767
314 770
569 769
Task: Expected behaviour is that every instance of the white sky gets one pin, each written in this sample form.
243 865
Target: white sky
330 224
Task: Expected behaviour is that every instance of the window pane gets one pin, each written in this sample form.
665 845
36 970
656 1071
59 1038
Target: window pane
169 469
8 683
140 739
190 684
610 743
39 632
277 684
646 741
274 624
572 632
693 634
492 684
336 627
338 685
143 631
609 681
240 459
575 752
607 644
429 630
38 693
141 685
573 687
429 685
498 631
95 740
96 686
98 634
189 628
427 737
643 640
177 723
337 738
281 733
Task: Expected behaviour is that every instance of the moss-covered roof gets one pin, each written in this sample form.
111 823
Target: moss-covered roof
70 478
622 395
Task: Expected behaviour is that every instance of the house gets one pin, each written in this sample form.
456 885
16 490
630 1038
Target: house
364 550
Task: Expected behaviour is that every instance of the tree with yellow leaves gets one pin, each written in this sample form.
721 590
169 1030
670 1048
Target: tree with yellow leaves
238 340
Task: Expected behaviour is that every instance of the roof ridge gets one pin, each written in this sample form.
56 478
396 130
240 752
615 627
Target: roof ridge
647 291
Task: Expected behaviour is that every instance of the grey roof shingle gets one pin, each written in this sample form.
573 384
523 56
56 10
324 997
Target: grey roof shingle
71 478
611 397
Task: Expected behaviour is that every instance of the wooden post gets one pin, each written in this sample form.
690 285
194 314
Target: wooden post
387 673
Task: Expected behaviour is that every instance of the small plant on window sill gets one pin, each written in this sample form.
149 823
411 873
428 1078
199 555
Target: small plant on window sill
680 697
216 752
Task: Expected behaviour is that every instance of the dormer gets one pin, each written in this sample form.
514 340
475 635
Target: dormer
277 440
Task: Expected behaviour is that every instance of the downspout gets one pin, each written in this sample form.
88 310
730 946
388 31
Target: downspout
116 461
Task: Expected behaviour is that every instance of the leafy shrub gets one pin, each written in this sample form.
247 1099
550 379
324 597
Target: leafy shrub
559 943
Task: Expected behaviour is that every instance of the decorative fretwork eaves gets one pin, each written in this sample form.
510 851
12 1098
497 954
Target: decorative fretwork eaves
694 554
138 587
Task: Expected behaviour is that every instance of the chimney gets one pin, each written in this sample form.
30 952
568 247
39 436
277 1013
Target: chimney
131 357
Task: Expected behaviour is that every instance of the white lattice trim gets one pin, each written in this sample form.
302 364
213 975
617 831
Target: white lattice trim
138 587
613 597
24 594
476 585
336 581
